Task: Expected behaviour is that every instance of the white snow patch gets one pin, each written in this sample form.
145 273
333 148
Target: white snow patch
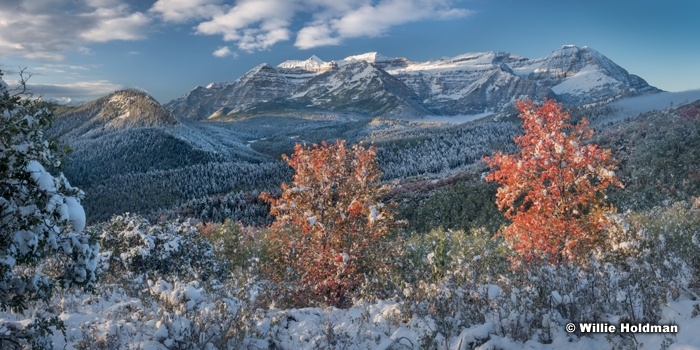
76 213
42 178
587 79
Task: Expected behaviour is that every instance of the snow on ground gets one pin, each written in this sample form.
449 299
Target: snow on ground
378 325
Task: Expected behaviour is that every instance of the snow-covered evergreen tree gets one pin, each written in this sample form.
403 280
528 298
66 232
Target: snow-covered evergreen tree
41 220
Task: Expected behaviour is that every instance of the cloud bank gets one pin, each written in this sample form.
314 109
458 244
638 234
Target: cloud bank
45 29
254 25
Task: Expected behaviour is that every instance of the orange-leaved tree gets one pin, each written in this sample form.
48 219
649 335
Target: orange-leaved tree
553 190
330 222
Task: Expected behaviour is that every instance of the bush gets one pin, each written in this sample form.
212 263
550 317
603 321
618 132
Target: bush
132 248
468 283
330 224
553 190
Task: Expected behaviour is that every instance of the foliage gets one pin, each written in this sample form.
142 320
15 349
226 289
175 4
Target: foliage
330 223
669 236
132 247
40 215
433 255
553 190
462 281
659 158
232 242
460 202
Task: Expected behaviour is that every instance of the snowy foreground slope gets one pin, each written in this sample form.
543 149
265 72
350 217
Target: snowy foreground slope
118 319
164 287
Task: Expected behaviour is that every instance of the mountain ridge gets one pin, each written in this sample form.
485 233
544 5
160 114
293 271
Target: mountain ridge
122 109
469 83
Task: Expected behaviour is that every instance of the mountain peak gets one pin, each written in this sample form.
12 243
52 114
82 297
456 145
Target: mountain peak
312 64
218 85
315 59
121 109
462 84
371 57
131 108
584 75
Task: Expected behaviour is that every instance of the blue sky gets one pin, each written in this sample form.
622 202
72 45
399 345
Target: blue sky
83 49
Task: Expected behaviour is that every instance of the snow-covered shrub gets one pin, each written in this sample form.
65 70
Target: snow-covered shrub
40 214
232 242
42 244
467 282
132 247
168 315
29 331
189 318
162 286
456 265
669 239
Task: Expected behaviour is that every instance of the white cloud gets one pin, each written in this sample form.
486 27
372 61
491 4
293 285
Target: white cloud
375 20
185 10
78 91
224 52
62 68
258 24
116 24
86 51
47 29
253 24
316 35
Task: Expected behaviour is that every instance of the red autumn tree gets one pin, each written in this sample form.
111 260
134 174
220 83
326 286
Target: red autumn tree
329 223
553 190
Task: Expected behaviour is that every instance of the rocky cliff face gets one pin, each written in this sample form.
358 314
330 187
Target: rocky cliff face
469 83
374 85
583 75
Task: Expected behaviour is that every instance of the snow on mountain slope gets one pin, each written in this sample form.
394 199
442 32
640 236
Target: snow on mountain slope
119 110
313 64
371 57
583 75
260 84
585 80
470 83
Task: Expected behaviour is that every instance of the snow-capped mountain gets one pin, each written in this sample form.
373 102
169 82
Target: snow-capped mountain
373 84
583 75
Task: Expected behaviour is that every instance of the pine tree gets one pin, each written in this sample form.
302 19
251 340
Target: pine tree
41 220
